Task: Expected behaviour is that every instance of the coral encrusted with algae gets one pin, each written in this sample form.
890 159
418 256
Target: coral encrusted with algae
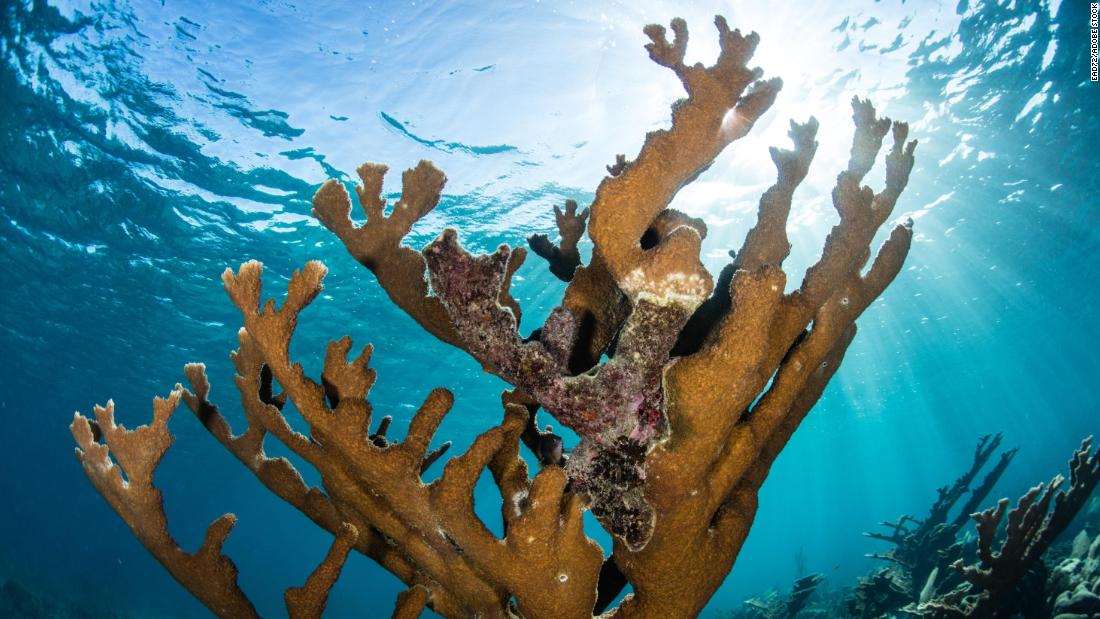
617 410
682 387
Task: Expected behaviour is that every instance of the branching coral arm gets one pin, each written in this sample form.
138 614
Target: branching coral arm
278 474
771 415
717 430
861 212
411 602
696 547
829 325
380 487
1030 529
309 600
754 338
209 575
978 494
631 202
377 243
717 111
766 243
564 257
434 525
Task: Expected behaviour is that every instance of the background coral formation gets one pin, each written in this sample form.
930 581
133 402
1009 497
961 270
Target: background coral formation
668 464
1018 573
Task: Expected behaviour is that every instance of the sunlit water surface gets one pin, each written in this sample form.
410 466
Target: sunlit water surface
145 147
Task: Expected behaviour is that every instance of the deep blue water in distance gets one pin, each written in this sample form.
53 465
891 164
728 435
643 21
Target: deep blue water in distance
146 146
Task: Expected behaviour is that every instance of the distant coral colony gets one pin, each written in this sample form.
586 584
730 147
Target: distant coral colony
668 464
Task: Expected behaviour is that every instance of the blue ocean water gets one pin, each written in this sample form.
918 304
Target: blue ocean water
146 146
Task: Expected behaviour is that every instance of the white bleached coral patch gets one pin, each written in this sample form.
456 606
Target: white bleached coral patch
684 289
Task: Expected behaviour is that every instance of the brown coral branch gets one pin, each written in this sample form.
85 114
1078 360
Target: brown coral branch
377 242
209 575
309 600
564 257
253 379
949 495
435 524
620 164
717 111
765 244
277 474
599 307
763 336
411 602
977 495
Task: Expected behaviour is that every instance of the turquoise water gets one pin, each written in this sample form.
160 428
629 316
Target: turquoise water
145 147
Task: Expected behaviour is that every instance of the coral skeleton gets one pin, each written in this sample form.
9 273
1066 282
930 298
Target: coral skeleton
1040 515
1028 576
669 464
923 549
